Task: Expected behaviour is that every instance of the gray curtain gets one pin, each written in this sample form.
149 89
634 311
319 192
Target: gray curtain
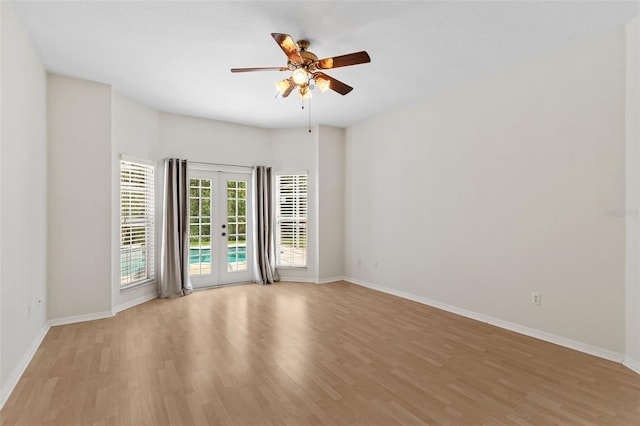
174 260
264 236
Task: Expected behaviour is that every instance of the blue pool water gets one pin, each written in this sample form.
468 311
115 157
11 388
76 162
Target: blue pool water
204 255
195 256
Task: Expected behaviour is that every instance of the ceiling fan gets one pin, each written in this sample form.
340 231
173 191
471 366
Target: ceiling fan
305 68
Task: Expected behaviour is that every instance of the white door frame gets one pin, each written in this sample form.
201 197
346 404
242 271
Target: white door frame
221 273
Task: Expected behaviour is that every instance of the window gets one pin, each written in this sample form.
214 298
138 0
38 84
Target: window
136 223
291 220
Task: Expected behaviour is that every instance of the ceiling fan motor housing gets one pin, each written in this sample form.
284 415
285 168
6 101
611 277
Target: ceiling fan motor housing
310 58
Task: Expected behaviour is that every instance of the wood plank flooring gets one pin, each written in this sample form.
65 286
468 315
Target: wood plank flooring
304 354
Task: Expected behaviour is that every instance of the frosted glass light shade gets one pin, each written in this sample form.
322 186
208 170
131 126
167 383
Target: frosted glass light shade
300 76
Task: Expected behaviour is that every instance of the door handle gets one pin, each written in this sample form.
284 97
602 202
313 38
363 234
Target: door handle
224 226
224 234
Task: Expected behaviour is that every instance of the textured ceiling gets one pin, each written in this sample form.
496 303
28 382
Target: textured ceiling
175 56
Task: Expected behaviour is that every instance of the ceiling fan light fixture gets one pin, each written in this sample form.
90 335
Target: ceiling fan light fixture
322 84
282 86
300 76
305 93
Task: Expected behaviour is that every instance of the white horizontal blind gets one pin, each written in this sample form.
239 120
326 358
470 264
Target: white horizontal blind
291 220
136 223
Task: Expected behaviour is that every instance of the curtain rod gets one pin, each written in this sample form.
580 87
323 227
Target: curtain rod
219 164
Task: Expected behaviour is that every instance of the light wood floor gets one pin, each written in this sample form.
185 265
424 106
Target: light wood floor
297 354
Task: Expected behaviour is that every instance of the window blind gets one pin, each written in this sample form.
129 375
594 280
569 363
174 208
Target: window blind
291 220
136 223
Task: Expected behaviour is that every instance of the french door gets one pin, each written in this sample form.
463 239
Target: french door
220 242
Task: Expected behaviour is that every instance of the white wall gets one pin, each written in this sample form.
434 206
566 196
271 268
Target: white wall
486 193
135 133
79 161
331 203
199 139
632 154
293 151
23 225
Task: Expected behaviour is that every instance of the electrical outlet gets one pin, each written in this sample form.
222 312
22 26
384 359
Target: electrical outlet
536 298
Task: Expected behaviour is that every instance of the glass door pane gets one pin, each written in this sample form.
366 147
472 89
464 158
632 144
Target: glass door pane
237 225
200 247
236 264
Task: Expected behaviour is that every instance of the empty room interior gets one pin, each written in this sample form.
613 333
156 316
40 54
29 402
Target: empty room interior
296 213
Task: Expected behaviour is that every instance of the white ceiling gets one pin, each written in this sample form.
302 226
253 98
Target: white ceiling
175 56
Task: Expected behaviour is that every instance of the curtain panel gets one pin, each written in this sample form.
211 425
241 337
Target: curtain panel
264 225
174 260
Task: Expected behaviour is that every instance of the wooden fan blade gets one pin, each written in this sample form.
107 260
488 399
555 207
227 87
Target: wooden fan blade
259 69
288 46
292 86
344 60
335 85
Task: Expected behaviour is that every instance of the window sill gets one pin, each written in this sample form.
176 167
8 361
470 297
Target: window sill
299 268
137 284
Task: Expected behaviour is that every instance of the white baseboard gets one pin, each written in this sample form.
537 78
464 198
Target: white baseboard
312 280
13 378
298 279
331 280
80 318
538 334
104 314
632 364
135 302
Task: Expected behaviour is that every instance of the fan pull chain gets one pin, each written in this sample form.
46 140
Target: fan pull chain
309 115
